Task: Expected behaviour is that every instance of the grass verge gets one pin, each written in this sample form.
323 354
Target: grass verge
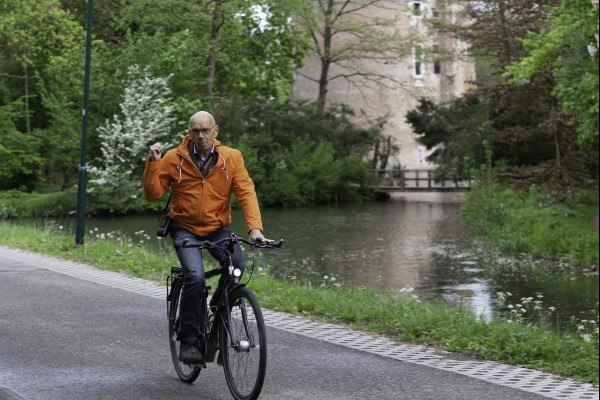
434 323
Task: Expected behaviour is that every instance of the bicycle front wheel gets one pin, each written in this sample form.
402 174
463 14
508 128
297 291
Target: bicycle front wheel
244 346
186 373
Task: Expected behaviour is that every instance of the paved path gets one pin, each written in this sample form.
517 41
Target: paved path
69 331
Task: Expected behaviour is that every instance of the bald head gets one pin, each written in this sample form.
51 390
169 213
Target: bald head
202 117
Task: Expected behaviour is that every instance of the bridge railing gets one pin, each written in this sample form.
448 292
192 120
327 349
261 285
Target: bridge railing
419 180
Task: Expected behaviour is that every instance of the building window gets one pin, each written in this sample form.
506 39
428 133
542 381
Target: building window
418 57
437 62
435 13
416 9
416 13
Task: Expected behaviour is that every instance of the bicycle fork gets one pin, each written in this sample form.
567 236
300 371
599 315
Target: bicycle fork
245 342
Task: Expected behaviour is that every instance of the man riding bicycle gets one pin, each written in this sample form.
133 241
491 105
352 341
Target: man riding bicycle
202 174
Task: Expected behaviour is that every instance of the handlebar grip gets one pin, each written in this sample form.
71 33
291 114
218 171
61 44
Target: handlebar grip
268 245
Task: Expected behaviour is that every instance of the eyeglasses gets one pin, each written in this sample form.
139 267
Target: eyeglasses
204 131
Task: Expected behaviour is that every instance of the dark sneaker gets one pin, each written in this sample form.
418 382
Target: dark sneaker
190 354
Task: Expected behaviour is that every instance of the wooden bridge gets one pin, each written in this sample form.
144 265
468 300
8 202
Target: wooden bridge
418 180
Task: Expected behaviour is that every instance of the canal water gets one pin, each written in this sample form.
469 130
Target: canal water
413 241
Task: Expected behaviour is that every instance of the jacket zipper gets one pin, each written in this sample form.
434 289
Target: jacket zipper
200 173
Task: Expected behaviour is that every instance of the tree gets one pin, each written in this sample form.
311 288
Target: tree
255 47
563 48
497 27
18 152
455 133
346 33
234 47
32 33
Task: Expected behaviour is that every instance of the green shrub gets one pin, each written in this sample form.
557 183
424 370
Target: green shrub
531 223
312 173
18 204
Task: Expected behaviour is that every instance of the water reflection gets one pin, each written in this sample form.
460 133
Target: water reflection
386 245
415 240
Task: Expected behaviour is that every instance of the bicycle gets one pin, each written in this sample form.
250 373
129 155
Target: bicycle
236 329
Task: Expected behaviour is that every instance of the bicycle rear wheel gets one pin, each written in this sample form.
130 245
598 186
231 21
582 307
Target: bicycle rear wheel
244 346
187 373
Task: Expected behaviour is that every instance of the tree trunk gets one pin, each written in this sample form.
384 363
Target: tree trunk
376 154
323 82
556 135
387 150
325 58
217 21
27 116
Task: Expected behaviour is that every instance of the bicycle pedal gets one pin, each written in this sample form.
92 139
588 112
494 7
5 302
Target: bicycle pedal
196 365
210 356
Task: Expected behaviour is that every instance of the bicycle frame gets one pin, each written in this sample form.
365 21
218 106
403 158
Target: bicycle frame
232 282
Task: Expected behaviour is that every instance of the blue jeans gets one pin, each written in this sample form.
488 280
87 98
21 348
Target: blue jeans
188 326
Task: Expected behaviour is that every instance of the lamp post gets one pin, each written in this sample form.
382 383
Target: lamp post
82 170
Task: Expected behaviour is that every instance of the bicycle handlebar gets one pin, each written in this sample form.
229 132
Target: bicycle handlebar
207 244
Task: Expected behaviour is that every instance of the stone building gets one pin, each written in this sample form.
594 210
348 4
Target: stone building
437 68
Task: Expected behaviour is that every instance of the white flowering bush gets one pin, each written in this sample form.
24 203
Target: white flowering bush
409 293
587 329
530 311
527 312
147 116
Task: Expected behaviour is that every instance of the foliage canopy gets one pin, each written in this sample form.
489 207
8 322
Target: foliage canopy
153 65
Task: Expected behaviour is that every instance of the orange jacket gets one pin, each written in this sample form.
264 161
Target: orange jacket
202 205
